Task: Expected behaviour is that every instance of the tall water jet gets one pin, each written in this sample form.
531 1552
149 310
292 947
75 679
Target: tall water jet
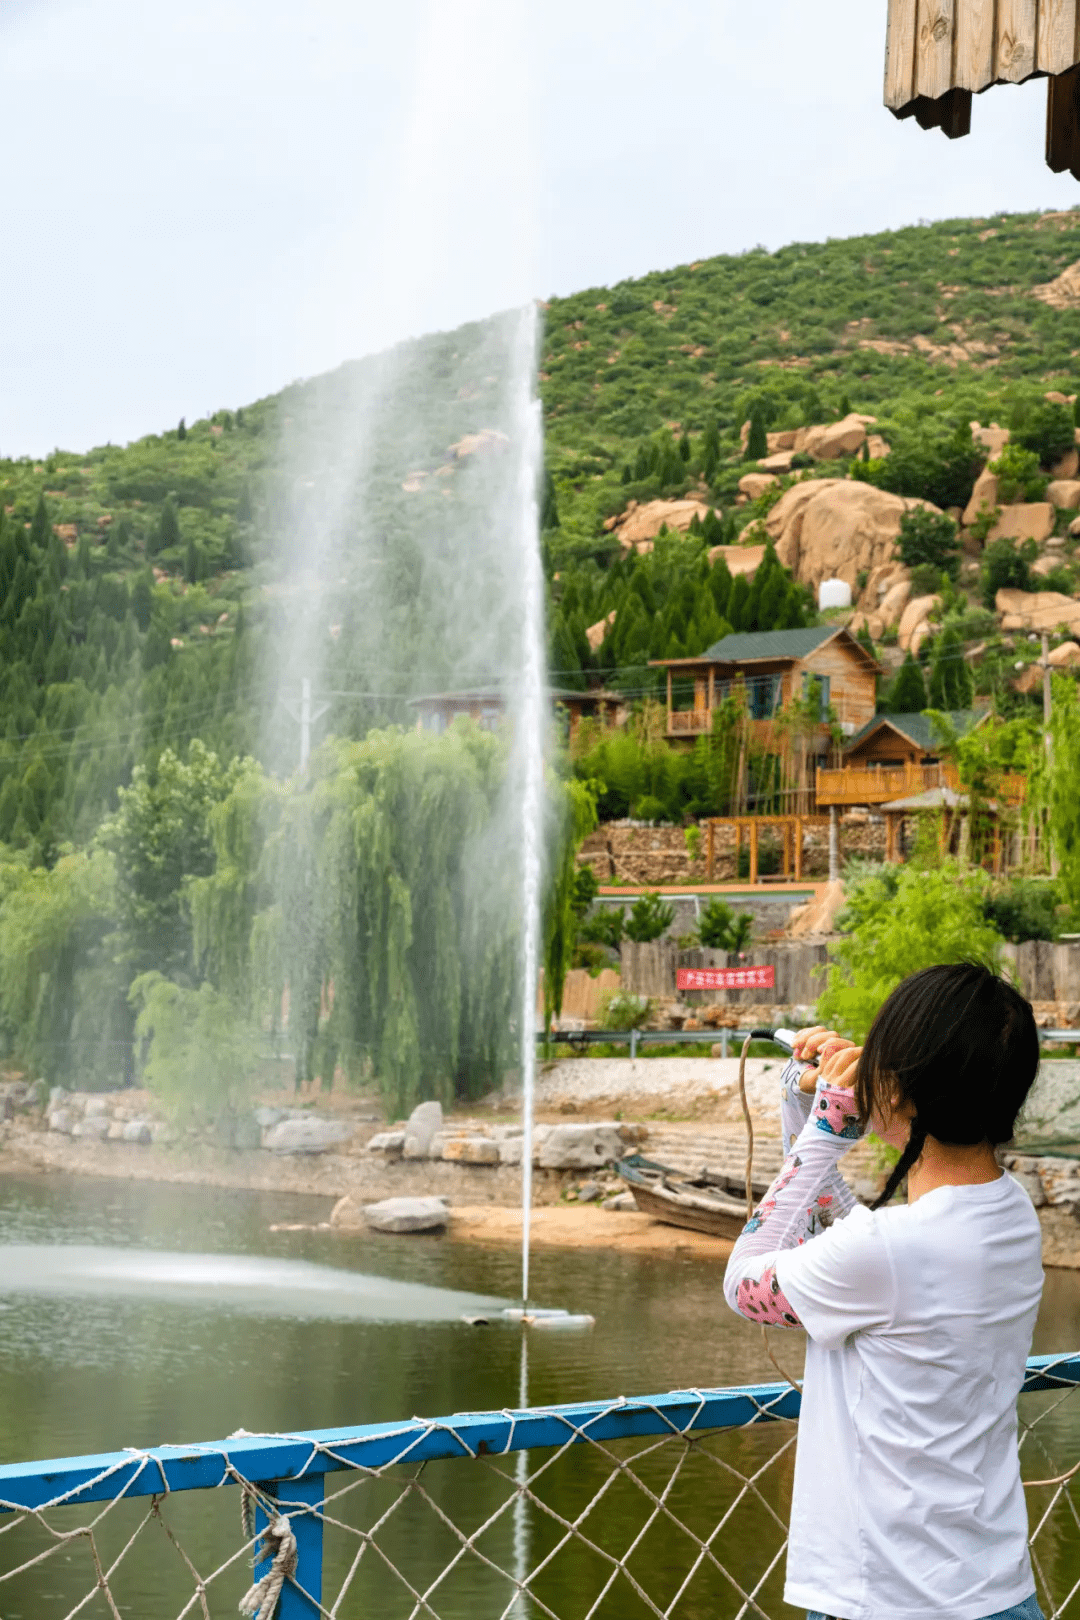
532 732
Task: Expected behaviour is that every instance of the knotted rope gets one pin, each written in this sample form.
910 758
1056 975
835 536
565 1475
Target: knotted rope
278 1539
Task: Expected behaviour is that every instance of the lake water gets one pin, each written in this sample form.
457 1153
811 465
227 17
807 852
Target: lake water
134 1314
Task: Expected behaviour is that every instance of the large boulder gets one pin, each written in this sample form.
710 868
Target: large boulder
1031 520
138 1131
753 484
424 1121
407 1215
61 1120
1037 610
580 1147
1064 656
1064 493
914 618
1068 467
739 559
992 438
595 633
641 523
984 497
831 440
307 1135
783 440
779 462
835 528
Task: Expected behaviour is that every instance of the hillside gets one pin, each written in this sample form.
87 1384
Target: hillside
138 604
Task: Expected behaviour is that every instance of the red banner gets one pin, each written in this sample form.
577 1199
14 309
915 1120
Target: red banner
747 978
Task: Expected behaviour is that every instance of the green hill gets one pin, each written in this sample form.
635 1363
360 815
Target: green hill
143 606
134 602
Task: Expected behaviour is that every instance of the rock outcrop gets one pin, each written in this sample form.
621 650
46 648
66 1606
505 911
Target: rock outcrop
984 497
1037 610
424 1123
1064 493
1064 656
640 524
914 624
754 484
1032 520
739 559
307 1135
399 1215
836 528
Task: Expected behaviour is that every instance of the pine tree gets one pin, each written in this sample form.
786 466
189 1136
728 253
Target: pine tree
168 529
845 406
951 684
549 506
757 445
710 452
181 431
907 694
40 527
684 447
191 563
142 599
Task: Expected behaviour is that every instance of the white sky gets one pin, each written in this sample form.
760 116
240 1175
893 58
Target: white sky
204 199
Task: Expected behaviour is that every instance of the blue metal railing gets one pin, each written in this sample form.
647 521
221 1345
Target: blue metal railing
290 1469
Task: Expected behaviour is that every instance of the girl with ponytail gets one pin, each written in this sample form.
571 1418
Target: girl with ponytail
907 1501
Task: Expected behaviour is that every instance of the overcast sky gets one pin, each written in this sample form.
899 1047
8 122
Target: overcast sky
206 199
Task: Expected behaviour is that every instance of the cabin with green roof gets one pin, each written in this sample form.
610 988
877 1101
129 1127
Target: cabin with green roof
773 667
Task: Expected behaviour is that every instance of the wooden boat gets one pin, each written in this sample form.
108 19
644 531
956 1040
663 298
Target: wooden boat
706 1202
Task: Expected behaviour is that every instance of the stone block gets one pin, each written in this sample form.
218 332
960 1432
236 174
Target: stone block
307 1135
407 1215
471 1150
984 497
60 1119
580 1147
93 1129
1031 520
389 1142
138 1131
1064 493
96 1108
424 1121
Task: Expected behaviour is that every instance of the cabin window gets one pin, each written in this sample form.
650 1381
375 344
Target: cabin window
821 683
762 696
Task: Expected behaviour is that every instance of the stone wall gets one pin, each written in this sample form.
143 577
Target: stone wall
635 852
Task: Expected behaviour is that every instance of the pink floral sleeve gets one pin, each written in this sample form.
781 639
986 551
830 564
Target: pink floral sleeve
807 1196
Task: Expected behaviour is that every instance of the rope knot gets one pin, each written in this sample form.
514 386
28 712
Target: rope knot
279 1545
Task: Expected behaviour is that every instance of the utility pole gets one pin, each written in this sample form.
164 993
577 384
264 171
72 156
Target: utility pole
1048 738
305 716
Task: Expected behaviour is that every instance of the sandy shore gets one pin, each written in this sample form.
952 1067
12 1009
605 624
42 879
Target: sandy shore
584 1226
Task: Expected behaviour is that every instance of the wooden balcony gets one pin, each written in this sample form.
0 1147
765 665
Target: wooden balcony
880 784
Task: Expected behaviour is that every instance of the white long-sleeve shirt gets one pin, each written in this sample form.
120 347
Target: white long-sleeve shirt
907 1502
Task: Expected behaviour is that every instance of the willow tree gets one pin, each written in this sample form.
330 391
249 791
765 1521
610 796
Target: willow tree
373 907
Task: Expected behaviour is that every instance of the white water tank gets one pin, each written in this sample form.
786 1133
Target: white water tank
833 593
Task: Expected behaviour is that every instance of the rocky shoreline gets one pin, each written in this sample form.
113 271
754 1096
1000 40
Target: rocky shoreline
682 1112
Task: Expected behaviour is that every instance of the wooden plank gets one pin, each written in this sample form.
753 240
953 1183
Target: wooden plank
1056 50
1014 44
934 48
974 68
1063 122
900 54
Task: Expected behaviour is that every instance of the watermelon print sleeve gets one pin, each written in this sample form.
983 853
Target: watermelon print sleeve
806 1198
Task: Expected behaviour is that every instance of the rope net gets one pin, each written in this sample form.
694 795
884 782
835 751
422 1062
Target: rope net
692 1525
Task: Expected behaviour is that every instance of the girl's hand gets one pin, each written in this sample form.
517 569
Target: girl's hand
823 1044
838 1069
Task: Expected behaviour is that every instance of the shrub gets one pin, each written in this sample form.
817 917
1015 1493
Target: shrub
1018 474
929 539
938 467
604 927
649 808
1003 568
649 918
1048 432
723 929
1027 909
624 1011
925 580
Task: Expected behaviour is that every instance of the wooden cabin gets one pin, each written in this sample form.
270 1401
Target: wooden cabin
487 707
773 667
894 756
937 55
